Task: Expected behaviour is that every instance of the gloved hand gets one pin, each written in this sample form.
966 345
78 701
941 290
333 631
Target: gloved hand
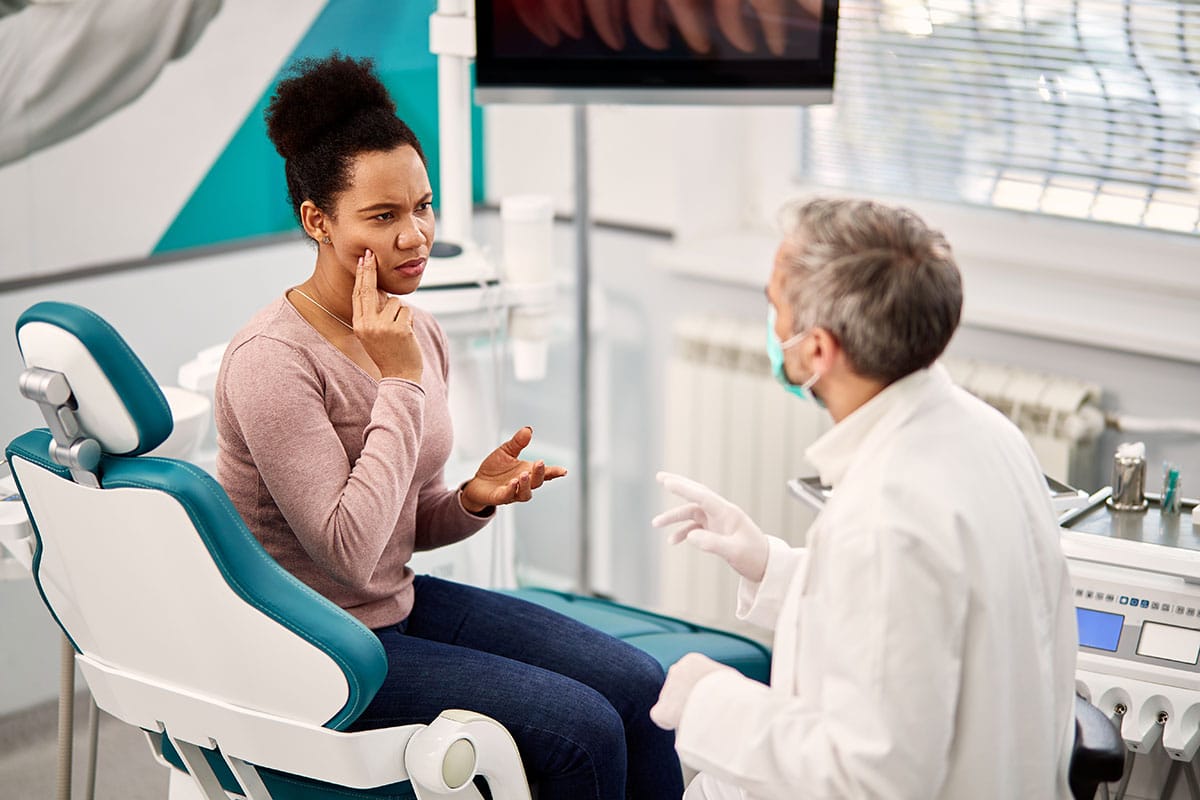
715 525
682 678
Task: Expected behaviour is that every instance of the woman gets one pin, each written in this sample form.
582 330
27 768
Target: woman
334 431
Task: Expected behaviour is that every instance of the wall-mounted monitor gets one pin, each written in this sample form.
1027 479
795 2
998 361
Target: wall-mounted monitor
655 51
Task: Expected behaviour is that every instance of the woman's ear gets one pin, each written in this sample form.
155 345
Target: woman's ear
315 221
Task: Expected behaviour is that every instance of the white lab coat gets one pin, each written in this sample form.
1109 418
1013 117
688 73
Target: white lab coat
924 638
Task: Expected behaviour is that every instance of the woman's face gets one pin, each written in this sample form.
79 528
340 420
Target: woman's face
388 208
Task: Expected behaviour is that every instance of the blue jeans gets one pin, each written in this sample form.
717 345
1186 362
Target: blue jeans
575 700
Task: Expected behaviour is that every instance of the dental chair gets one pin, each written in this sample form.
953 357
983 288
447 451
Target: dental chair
244 679
1098 755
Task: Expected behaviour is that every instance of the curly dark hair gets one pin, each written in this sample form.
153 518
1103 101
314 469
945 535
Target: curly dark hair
326 112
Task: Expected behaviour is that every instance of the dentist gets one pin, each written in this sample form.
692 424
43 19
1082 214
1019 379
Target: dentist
924 636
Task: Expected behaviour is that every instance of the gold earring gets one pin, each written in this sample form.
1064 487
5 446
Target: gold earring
326 240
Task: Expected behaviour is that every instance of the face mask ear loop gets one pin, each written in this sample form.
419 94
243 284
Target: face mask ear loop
793 340
811 382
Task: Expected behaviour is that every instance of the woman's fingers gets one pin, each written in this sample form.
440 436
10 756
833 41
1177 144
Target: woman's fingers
538 476
522 489
359 298
368 302
519 441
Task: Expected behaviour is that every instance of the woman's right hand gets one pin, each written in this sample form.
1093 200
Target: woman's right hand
384 325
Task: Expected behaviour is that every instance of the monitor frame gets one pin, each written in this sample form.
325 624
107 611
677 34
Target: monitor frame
740 81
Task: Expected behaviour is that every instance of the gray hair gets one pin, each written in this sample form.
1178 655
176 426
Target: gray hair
877 278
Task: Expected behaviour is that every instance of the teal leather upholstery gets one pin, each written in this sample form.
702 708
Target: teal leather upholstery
125 372
665 638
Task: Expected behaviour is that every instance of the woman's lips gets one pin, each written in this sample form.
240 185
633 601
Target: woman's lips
412 269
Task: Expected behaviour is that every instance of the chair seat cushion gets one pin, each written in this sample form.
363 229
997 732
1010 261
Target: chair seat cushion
665 638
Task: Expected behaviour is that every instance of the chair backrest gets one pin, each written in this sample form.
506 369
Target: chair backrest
144 562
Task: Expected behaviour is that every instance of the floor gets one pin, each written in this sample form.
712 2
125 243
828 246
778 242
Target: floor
28 757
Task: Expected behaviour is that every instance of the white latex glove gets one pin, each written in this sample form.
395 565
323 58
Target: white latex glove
682 678
715 525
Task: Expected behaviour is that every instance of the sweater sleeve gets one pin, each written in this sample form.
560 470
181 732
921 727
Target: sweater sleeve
343 514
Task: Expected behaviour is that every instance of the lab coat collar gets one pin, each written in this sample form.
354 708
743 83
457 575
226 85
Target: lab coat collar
835 452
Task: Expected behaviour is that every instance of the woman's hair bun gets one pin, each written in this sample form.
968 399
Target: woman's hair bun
319 96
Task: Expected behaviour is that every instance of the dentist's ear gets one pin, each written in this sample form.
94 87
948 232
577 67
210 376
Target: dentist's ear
821 350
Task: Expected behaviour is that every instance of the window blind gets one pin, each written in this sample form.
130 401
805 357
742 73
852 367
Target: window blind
1087 109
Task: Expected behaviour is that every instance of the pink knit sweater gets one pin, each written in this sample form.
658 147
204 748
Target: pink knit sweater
337 474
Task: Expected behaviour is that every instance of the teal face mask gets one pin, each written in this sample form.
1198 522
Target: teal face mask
775 350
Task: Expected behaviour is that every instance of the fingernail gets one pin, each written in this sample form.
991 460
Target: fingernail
360 261
367 254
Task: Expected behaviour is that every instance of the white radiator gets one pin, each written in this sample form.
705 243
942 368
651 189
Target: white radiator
731 427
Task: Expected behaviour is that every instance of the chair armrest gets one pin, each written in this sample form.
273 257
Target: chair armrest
358 760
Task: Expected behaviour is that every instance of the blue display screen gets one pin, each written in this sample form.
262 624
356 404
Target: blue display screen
1099 629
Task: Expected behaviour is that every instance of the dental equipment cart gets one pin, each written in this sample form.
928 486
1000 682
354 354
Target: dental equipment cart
1136 576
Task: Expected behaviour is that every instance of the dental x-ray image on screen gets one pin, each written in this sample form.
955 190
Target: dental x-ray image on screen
749 51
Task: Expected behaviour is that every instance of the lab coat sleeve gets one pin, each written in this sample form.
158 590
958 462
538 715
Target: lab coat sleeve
759 603
890 616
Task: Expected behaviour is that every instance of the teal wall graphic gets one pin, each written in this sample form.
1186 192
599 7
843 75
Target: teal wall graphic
244 193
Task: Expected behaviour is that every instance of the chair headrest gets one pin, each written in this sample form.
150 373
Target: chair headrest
120 404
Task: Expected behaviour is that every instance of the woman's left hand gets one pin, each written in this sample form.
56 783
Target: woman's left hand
504 477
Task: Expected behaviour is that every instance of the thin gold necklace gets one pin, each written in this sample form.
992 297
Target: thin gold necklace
300 292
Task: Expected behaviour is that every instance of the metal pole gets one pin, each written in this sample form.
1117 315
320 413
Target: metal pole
454 136
584 334
66 716
93 741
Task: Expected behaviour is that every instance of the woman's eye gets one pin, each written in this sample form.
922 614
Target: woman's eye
424 206
385 216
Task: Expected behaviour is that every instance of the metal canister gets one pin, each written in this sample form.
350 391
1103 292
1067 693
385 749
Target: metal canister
1128 482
